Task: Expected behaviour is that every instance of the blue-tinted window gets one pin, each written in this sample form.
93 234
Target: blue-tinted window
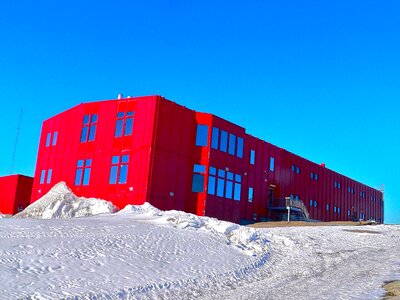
252 156
198 183
272 164
220 187
315 203
128 126
88 133
115 159
214 138
120 114
113 174
238 178
334 209
240 147
211 185
348 213
78 176
92 132
49 174
293 168
250 194
236 195
86 176
327 207
213 171
221 173
42 176
199 169
229 188
229 175
232 144
55 136
118 128
84 134
202 135
125 158
316 176
83 169
311 202
338 210
123 174
48 139
298 170
224 141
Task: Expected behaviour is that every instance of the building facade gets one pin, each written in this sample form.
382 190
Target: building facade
151 149
15 193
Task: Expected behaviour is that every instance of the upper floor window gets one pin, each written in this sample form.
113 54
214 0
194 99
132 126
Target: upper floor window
202 135
89 128
232 144
271 164
215 138
83 170
124 124
51 138
119 169
224 141
252 156
240 147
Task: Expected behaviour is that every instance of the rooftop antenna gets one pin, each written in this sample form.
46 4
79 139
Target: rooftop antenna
16 141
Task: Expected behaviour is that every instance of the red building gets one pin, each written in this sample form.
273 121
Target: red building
141 149
15 193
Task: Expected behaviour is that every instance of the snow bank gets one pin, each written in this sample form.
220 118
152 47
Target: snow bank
248 240
61 203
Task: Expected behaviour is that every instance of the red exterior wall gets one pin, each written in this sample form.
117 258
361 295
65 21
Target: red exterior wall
15 193
162 156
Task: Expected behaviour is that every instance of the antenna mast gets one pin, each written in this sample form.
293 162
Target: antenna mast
16 141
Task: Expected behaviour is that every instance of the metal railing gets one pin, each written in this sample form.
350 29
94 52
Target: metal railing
290 203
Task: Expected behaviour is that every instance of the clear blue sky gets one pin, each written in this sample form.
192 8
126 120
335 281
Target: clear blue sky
318 78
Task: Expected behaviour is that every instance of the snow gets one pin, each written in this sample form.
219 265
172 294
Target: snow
61 203
142 252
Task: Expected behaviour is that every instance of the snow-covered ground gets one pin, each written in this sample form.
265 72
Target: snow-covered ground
144 253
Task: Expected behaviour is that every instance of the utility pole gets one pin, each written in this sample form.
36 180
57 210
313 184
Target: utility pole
16 141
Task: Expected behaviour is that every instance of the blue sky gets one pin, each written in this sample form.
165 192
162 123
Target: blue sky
318 78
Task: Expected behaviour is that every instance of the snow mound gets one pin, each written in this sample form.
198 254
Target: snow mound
248 240
61 203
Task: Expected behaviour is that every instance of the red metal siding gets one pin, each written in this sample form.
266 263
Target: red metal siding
162 153
15 193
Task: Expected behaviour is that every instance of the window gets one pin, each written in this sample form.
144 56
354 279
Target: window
252 156
327 207
240 147
334 209
271 164
316 176
250 194
49 173
202 135
48 139
238 187
82 174
119 169
124 124
312 175
89 128
229 185
55 136
338 210
293 168
42 176
315 203
224 141
214 138
348 212
232 144
221 183
211 180
311 202
298 170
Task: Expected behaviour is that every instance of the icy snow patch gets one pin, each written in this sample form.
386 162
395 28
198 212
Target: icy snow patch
248 240
60 203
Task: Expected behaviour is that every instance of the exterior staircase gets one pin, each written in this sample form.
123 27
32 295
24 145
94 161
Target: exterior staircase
279 209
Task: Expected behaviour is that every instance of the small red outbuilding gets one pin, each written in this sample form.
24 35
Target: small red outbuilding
15 193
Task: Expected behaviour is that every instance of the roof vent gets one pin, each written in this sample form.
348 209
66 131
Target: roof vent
120 96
